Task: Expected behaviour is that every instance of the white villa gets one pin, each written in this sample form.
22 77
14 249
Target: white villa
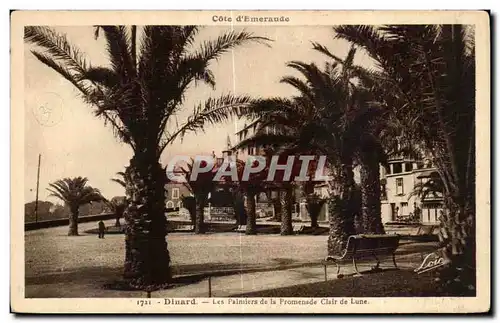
398 183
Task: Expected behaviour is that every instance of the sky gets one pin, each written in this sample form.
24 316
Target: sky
73 142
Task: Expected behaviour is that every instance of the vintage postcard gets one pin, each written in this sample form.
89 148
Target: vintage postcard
250 162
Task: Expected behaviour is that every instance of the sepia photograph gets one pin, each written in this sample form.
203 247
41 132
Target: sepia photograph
250 162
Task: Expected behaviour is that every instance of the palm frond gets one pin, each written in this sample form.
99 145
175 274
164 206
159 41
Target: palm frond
57 46
214 110
214 49
103 76
118 46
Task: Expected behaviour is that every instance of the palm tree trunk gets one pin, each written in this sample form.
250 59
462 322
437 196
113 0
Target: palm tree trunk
277 206
250 211
147 260
239 208
341 212
371 217
286 208
73 222
314 208
117 221
457 240
314 219
199 226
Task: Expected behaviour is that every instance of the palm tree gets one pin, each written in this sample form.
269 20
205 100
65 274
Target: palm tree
432 186
139 94
285 127
248 190
427 77
118 205
200 187
369 150
121 179
74 192
328 117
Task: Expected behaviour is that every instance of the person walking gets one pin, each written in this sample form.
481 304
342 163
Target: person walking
102 229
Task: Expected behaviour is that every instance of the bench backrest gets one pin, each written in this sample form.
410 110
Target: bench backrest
367 245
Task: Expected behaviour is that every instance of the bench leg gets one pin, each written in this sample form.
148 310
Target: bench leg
355 266
338 270
394 260
377 266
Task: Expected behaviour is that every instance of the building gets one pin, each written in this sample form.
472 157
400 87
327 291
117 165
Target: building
397 184
174 192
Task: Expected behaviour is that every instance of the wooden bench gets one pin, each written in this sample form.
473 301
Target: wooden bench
185 228
241 228
366 247
298 228
425 230
221 217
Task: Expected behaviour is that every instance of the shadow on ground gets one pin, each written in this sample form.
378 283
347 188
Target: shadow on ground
388 283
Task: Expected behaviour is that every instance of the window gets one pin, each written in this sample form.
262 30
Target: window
408 167
383 192
175 193
399 186
404 208
397 168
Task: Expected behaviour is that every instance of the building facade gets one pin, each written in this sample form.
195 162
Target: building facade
397 184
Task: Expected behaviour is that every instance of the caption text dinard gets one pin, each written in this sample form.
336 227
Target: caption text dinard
253 301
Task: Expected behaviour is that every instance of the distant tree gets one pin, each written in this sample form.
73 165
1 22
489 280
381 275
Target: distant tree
59 211
43 210
74 192
117 205
433 186
200 186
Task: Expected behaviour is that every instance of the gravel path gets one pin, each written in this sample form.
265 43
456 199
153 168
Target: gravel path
62 266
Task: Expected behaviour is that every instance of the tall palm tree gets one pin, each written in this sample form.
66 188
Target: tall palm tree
327 117
283 126
426 74
369 151
74 192
140 95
